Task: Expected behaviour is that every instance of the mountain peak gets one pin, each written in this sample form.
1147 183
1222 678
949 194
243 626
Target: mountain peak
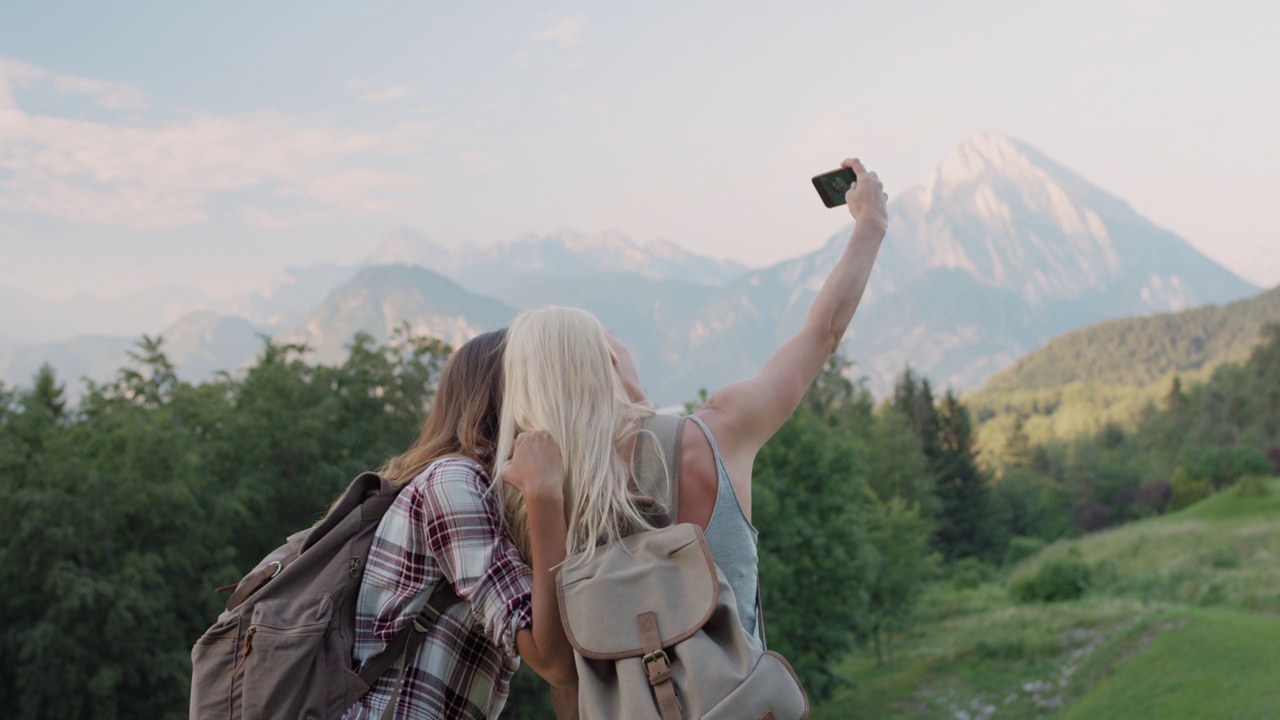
403 244
981 155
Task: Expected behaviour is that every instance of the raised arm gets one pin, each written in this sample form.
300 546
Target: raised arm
746 414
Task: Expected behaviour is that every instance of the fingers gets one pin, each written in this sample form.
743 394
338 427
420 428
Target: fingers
866 199
536 441
856 165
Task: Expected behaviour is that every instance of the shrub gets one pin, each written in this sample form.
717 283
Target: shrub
969 573
1155 495
1093 516
1222 466
1021 548
1187 490
1222 559
1251 486
1058 579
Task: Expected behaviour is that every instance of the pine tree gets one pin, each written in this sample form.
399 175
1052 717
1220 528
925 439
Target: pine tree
969 525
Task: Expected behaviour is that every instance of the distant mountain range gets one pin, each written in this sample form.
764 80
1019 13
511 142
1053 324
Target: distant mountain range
1002 250
381 298
491 269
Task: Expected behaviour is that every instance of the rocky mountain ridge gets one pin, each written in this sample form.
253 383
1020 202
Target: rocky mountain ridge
1000 251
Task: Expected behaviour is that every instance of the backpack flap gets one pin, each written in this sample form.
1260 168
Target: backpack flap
667 573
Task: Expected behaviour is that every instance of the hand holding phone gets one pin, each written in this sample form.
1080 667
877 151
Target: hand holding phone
833 185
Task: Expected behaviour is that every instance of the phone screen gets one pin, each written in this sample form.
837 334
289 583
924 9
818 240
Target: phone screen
833 185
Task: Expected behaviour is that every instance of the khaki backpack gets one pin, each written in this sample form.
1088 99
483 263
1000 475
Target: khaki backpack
654 624
283 646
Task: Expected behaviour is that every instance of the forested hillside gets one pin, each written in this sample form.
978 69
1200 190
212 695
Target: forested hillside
124 512
1137 351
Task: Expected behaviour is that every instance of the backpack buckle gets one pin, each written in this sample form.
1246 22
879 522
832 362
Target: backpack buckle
654 657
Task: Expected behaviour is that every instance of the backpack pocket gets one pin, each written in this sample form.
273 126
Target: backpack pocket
772 690
213 663
286 662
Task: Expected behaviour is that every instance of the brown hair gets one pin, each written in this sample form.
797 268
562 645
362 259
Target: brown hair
463 420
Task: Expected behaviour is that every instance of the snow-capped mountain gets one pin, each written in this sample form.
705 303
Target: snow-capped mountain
1010 217
1000 251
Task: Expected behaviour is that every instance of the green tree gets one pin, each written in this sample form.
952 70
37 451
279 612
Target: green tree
808 493
1017 447
1035 505
299 432
896 466
968 525
115 539
913 397
900 563
122 514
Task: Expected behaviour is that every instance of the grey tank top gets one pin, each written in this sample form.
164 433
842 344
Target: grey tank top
732 541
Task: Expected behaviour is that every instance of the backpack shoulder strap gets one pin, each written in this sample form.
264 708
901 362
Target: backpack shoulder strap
667 435
657 457
406 643
370 492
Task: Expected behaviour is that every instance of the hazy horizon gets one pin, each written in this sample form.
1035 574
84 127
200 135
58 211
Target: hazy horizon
214 147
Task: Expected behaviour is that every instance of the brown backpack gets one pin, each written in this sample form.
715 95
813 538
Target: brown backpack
654 624
283 646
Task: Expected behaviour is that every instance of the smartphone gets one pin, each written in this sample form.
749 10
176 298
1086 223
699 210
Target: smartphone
833 185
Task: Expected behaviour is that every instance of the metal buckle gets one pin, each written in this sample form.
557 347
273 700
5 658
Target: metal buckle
278 568
654 657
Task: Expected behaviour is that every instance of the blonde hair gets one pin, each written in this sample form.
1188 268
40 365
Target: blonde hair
559 378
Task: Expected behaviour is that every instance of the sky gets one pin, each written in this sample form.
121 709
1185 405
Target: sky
215 144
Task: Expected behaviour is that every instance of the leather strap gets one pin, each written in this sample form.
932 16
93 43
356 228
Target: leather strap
405 644
657 666
253 583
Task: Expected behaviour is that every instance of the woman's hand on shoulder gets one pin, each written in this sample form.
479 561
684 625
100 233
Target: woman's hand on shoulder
536 468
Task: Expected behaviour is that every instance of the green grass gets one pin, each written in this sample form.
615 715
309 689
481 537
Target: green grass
1185 606
1202 664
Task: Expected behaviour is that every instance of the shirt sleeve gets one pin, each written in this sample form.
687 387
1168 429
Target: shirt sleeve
465 535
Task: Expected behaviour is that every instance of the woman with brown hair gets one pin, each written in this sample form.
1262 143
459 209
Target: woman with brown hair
445 527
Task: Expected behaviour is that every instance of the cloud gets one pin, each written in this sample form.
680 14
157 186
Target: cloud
15 74
104 93
394 92
107 94
566 32
271 221
364 94
147 176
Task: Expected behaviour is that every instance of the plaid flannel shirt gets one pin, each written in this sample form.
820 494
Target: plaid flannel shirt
444 527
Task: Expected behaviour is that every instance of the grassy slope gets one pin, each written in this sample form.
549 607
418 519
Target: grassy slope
1183 622
1204 664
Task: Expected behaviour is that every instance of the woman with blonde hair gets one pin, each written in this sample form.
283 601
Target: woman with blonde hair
568 377
445 526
